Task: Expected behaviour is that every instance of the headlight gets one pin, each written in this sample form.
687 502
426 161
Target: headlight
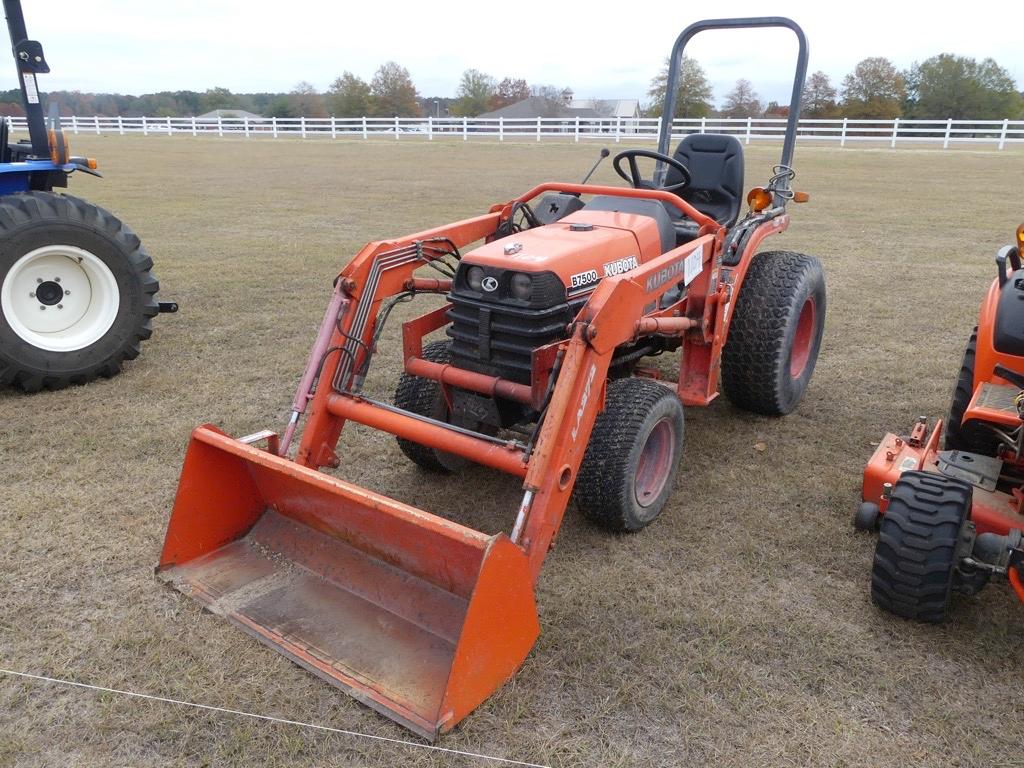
475 278
521 286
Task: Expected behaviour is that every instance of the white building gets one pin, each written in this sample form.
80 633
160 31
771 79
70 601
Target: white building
627 110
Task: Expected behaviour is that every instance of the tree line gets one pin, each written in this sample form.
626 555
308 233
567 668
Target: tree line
390 92
941 87
944 86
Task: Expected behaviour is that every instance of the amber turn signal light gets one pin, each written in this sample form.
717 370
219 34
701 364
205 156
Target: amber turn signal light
91 164
1020 239
759 198
59 148
801 197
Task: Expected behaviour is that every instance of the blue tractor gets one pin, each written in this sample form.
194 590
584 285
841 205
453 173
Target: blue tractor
77 290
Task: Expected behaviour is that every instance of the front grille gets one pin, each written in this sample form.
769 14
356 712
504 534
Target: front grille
498 339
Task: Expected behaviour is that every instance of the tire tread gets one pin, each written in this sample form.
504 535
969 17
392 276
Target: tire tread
753 358
419 396
913 570
22 208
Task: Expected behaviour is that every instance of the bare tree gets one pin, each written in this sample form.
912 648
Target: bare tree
819 97
742 101
305 101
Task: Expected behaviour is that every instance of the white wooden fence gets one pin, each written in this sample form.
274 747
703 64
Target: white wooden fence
842 131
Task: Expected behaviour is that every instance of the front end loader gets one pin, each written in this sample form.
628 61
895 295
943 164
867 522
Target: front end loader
554 304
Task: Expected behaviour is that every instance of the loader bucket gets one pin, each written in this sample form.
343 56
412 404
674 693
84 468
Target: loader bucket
415 616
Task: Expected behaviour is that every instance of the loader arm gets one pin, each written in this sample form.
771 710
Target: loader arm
612 317
381 269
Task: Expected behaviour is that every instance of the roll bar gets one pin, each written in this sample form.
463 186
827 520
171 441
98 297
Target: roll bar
29 61
675 65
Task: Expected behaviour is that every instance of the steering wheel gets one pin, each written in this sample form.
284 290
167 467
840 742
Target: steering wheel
634 178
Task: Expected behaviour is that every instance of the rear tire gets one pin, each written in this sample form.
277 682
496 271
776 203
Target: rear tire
95 298
914 570
971 437
775 333
632 459
425 398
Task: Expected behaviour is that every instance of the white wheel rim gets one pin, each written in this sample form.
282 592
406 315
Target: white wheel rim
60 298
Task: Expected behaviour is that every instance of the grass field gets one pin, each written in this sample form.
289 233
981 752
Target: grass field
737 630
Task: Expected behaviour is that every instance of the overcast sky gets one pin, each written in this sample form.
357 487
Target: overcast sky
606 50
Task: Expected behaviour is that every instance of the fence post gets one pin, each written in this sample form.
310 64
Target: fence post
1002 134
465 129
145 130
397 126
430 127
220 125
576 134
749 121
842 136
194 131
365 133
302 126
273 126
538 127
120 125
170 130
96 123
949 130
895 130
501 128
74 124
245 124
618 129
334 128
703 124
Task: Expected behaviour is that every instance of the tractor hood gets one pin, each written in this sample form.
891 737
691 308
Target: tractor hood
580 249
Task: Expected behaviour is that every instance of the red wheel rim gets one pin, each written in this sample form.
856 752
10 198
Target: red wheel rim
803 339
655 464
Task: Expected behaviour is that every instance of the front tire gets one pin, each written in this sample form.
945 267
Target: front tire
76 291
632 459
775 333
914 570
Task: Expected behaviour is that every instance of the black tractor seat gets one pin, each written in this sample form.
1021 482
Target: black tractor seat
715 162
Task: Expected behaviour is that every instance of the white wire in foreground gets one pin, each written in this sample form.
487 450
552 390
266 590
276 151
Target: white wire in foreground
225 710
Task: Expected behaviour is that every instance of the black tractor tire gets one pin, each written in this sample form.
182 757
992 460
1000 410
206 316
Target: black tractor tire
632 459
425 398
915 566
31 221
775 333
971 437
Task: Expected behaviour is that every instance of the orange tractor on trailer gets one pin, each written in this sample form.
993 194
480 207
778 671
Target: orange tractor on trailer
541 376
951 520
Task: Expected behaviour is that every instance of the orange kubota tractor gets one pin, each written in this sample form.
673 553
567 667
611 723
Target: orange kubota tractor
950 520
541 376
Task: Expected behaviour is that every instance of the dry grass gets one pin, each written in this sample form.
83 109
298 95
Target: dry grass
735 631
